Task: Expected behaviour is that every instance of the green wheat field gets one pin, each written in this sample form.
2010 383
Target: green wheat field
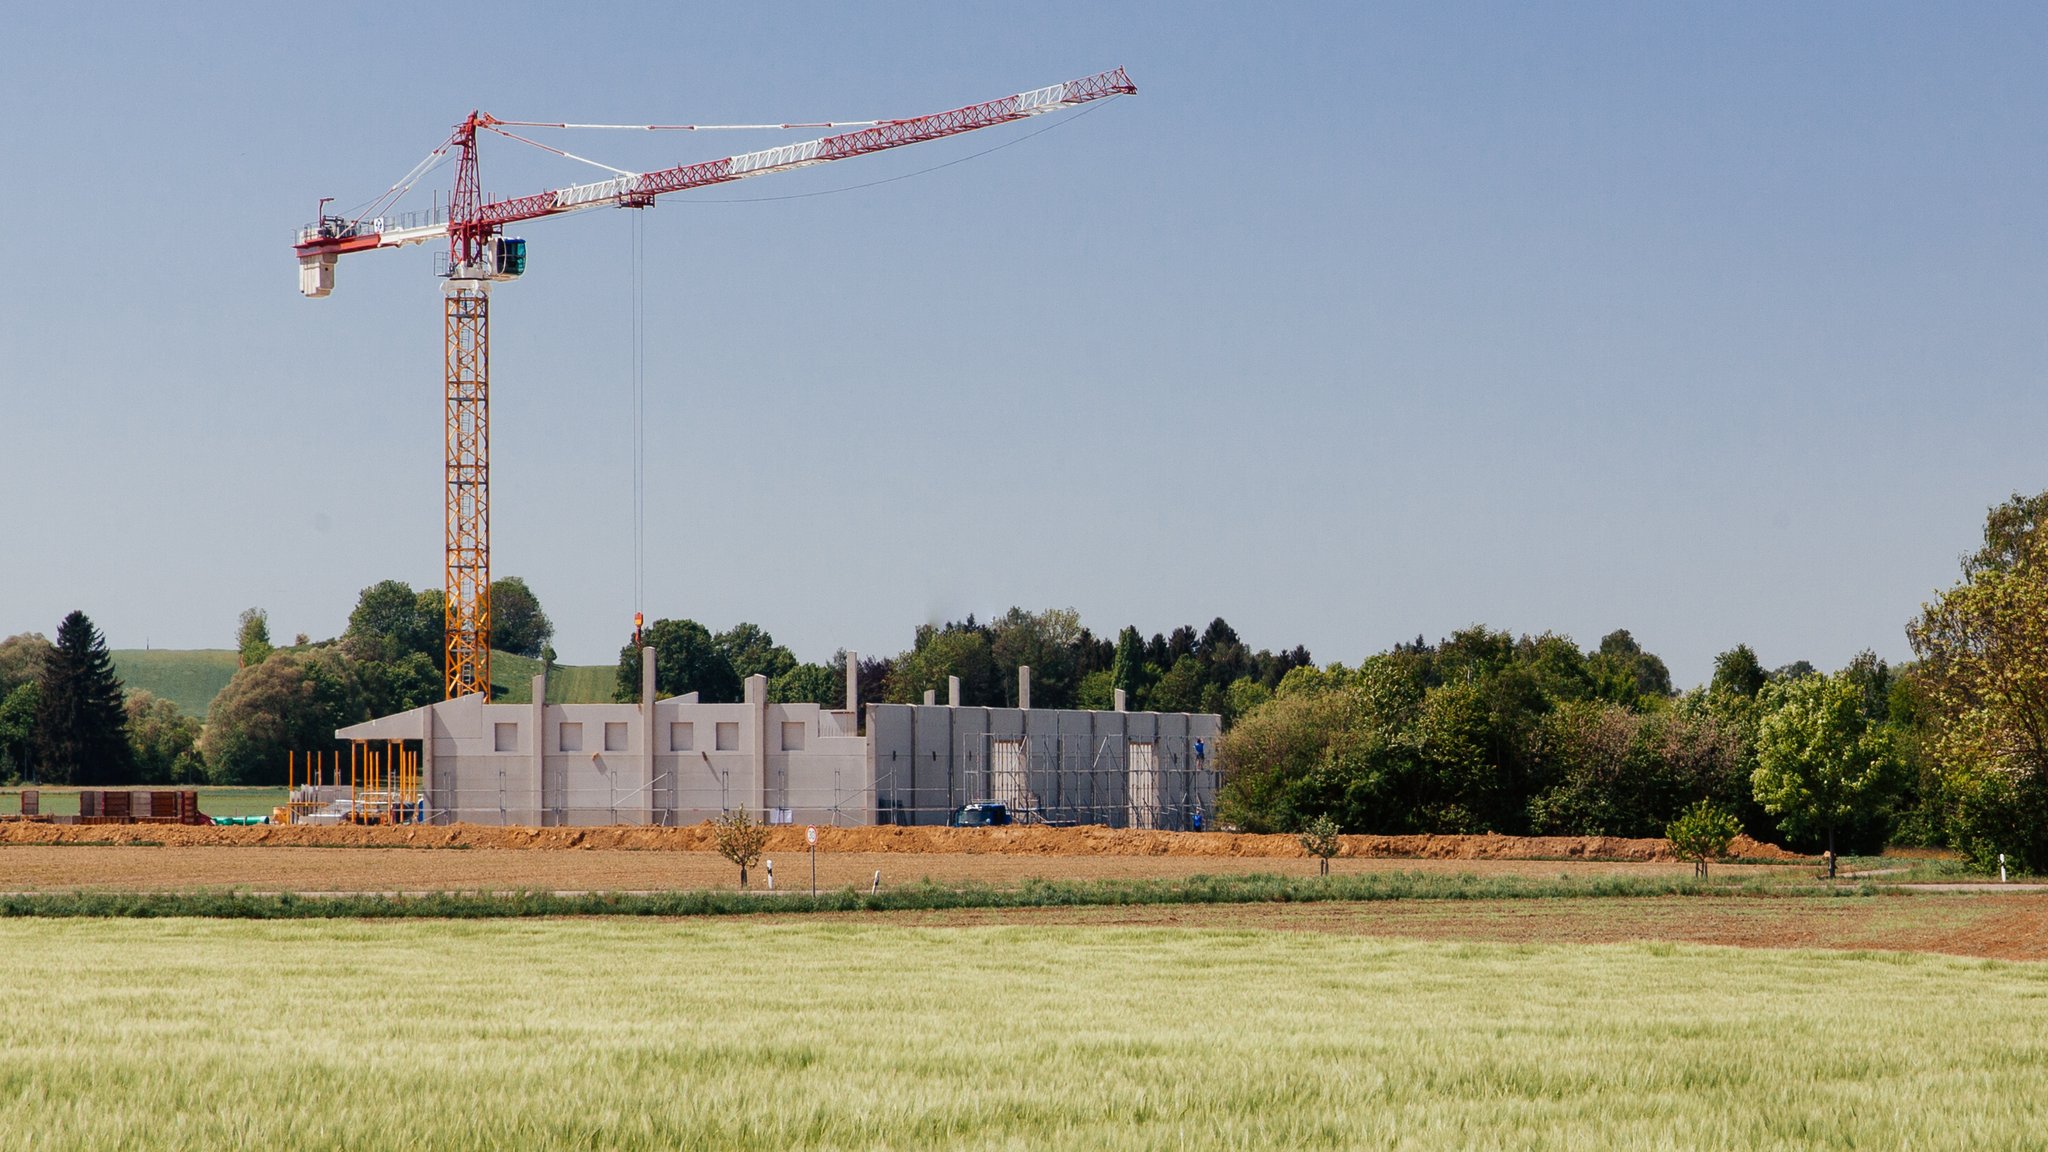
207 1034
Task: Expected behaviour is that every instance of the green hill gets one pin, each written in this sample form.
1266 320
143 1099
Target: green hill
189 678
512 681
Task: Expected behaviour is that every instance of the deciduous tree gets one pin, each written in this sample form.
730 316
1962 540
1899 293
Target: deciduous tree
1983 648
21 668
1702 832
1624 673
1821 763
1097 691
1319 839
1180 689
252 636
18 731
740 839
943 652
1046 642
390 620
21 660
518 625
163 741
809 684
292 702
686 659
1737 672
753 652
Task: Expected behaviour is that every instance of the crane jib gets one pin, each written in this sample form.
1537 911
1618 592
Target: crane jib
332 237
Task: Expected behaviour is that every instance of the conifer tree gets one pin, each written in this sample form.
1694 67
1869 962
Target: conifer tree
80 724
1127 670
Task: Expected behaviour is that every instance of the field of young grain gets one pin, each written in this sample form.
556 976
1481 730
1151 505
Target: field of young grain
721 1034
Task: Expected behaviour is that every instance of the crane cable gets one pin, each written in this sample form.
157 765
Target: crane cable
638 320
639 354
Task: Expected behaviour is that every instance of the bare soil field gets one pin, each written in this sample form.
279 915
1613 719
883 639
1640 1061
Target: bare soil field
2005 927
142 867
1018 841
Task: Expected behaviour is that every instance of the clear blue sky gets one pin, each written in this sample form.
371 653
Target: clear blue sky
1716 322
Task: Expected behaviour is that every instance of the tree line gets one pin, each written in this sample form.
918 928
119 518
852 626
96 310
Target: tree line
1071 666
1483 731
65 717
1489 732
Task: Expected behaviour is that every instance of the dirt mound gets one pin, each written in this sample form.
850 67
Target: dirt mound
1026 841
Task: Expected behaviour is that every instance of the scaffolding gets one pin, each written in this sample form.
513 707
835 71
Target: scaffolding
1164 782
374 782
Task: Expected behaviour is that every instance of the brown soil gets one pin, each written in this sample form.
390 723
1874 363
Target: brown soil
48 867
1024 841
2007 927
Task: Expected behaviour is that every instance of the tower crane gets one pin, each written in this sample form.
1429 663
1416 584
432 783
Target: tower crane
480 254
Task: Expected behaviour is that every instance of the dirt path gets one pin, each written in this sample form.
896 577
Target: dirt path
49 867
2007 927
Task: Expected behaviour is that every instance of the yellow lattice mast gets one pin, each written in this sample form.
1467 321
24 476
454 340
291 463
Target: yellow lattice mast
467 632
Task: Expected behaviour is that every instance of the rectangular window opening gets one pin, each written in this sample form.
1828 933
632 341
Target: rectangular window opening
728 735
615 736
682 736
571 737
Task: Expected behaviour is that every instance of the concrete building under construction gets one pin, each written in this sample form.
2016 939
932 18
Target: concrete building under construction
680 761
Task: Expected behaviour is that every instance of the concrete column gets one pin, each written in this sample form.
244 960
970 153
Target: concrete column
1120 700
757 697
427 760
1024 686
931 697
853 683
540 746
647 733
952 691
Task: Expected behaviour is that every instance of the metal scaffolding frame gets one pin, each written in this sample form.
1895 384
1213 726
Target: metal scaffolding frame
1062 779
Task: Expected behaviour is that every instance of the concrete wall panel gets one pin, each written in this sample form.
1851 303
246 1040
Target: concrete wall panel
932 766
1111 743
1005 723
916 764
970 754
1042 750
890 732
1075 785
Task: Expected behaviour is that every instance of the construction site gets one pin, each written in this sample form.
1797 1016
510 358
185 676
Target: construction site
678 761
1684 328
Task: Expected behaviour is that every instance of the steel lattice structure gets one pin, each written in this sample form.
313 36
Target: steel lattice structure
467 623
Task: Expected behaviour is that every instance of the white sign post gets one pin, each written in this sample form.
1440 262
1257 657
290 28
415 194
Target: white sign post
811 838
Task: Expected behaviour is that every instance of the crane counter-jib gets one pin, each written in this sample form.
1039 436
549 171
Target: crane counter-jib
320 245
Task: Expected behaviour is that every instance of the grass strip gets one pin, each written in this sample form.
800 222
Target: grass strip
1254 888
